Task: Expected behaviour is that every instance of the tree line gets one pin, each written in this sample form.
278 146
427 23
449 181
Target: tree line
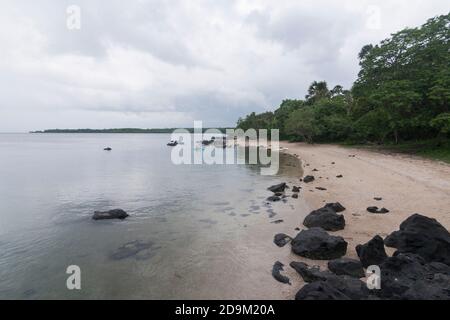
401 93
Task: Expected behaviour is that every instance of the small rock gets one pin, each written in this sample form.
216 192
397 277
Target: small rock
339 176
377 211
295 189
277 221
308 179
278 188
321 189
281 240
277 268
107 149
295 196
273 199
377 199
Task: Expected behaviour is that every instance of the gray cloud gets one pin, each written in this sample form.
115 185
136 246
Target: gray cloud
155 63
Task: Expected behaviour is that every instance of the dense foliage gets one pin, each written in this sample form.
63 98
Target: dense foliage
401 94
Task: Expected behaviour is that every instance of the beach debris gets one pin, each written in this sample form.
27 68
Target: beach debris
296 189
107 149
281 239
316 243
347 266
325 218
273 199
277 221
336 206
372 253
423 236
308 179
339 176
278 188
376 210
276 269
377 198
111 214
321 189
138 249
310 274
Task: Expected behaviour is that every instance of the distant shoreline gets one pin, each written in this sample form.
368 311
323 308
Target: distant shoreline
122 130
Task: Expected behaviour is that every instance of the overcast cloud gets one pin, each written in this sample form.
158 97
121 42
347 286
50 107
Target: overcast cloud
149 63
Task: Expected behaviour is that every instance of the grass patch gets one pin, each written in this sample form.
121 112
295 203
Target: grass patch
431 149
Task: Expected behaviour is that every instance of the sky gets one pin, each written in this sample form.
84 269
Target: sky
158 64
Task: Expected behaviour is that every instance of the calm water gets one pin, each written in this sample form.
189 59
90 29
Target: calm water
186 226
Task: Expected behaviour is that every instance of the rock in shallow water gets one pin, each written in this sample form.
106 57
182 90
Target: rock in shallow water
111 214
278 188
316 243
325 218
423 236
308 179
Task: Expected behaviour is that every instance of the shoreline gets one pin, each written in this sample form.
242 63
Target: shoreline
406 184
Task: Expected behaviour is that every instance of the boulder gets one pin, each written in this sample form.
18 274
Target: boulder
347 267
310 274
111 214
377 211
423 236
372 253
316 243
325 218
408 276
308 179
281 239
278 188
334 288
320 290
337 207
276 273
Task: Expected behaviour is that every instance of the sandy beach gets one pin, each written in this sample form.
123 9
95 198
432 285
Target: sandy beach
406 184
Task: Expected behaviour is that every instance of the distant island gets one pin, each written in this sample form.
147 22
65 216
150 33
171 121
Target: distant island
121 130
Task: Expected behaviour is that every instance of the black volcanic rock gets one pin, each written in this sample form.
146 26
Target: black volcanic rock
337 207
325 218
111 214
281 239
346 266
423 236
278 188
372 253
276 273
376 210
308 179
316 243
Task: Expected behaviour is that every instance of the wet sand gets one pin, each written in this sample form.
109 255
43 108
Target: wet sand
406 184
